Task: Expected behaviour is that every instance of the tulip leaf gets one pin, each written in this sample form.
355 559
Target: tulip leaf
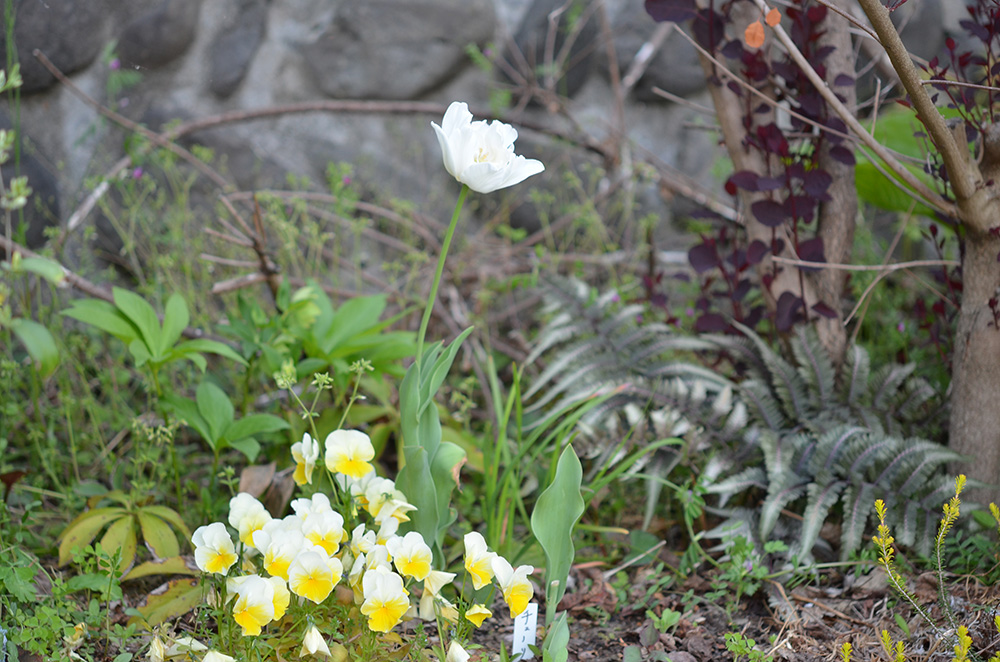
556 645
158 535
556 512
175 320
248 446
417 483
169 601
39 342
121 535
82 530
445 469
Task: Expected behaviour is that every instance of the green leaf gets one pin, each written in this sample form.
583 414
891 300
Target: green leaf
215 407
556 645
139 351
417 483
210 347
158 535
44 267
171 600
254 424
121 535
141 314
248 446
556 512
177 565
82 530
187 410
175 320
354 316
445 467
105 317
172 517
876 189
39 342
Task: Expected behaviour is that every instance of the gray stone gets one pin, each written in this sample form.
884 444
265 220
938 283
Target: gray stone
234 47
69 33
573 44
921 26
42 209
393 49
159 36
675 67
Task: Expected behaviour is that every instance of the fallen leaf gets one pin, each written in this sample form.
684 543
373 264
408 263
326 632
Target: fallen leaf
754 35
256 479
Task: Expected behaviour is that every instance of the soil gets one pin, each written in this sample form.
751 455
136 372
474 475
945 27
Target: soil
612 617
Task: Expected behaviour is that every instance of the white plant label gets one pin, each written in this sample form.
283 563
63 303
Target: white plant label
524 632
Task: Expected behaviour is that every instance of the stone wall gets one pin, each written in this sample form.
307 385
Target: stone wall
199 58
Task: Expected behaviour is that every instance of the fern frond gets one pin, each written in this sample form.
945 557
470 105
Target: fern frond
820 499
857 367
858 506
815 365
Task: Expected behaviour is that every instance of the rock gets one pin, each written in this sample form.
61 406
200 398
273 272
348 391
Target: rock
234 47
388 49
70 34
159 36
42 210
921 26
529 52
675 67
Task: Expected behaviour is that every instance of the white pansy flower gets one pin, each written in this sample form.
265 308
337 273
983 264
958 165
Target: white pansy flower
305 453
480 154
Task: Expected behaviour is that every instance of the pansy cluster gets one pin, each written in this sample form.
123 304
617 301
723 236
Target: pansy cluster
305 555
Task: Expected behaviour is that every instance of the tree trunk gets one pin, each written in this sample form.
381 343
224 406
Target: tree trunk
975 373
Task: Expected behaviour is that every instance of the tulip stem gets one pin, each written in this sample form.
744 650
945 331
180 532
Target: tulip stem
437 275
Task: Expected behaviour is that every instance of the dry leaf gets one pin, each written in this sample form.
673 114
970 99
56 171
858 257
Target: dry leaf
773 17
754 35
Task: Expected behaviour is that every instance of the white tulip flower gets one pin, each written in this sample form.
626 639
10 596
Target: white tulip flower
480 154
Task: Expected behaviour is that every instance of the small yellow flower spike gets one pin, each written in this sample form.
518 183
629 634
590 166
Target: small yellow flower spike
845 652
963 645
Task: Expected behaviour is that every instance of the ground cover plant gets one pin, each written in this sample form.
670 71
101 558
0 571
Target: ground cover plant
287 467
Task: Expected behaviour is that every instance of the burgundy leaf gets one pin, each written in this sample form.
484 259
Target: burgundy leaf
788 311
768 212
708 29
673 11
744 179
733 50
769 184
843 80
816 182
824 310
800 207
711 323
756 251
842 155
811 250
703 257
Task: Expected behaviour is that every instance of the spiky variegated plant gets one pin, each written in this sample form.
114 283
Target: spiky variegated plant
828 442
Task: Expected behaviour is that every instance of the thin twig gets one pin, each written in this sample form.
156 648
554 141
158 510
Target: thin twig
152 136
931 197
867 267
